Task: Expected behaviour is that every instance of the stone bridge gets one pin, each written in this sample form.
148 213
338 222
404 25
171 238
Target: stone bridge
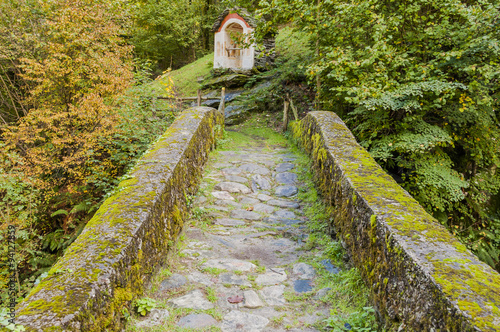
421 278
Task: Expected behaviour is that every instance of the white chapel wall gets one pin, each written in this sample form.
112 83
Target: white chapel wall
236 59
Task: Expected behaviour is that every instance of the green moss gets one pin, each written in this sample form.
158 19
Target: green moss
468 281
253 131
42 305
373 228
177 216
122 298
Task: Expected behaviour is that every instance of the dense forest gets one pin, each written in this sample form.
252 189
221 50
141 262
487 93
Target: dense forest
416 81
418 84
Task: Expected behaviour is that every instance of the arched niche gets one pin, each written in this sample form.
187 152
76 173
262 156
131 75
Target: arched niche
236 39
231 44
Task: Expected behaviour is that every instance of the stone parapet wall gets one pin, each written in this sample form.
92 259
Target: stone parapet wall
112 260
421 277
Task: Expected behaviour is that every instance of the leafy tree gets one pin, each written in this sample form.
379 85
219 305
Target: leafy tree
83 64
19 24
417 82
172 33
75 120
71 69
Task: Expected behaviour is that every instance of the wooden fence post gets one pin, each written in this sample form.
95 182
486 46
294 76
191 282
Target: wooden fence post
222 104
294 109
199 98
285 115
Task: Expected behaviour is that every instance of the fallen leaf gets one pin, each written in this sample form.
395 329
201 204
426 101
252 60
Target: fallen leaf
235 299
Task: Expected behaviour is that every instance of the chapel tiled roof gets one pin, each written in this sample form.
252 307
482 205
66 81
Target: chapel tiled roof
240 11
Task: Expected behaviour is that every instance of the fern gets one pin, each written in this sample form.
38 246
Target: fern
82 207
59 212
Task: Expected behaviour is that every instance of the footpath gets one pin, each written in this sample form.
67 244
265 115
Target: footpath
243 259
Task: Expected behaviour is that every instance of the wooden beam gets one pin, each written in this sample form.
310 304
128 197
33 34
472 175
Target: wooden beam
184 98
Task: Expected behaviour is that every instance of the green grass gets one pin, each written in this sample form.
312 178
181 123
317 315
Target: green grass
164 273
213 270
200 217
211 294
277 320
254 131
289 43
261 269
186 78
296 297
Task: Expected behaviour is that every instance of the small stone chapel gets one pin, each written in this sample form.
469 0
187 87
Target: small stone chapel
233 30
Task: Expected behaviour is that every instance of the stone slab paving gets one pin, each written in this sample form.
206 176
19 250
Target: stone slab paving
243 258
193 300
196 321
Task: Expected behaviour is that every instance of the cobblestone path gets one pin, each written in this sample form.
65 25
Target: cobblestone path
242 264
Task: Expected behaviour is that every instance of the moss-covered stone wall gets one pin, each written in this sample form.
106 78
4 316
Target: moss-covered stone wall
112 260
421 277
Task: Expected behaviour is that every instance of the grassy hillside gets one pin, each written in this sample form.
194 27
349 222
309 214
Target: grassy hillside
290 45
185 79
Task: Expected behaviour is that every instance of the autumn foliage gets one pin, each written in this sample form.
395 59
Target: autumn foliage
54 155
82 68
